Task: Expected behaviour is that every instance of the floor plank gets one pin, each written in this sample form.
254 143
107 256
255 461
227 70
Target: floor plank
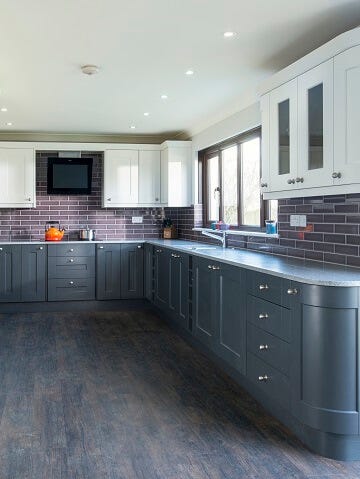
118 395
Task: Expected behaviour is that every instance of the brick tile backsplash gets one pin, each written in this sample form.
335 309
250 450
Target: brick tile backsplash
332 234
75 212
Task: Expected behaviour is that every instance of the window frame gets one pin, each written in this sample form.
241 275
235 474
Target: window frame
205 155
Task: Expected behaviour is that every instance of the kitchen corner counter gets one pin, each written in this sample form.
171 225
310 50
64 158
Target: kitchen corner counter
302 271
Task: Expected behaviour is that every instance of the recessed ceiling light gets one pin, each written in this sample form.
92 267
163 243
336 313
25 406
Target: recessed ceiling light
146 113
189 72
3 109
164 97
132 127
9 123
229 34
90 69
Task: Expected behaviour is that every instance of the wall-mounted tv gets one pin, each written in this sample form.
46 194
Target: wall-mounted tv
69 176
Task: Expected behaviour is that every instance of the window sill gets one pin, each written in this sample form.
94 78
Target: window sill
239 232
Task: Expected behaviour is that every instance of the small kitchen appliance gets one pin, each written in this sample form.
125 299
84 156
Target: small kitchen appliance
53 232
86 234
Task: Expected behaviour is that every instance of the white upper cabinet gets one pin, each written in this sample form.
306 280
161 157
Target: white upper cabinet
347 117
17 178
310 123
176 173
283 136
149 177
121 178
315 127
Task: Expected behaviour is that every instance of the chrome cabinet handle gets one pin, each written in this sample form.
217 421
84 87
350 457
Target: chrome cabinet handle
175 255
71 282
263 287
101 247
209 266
299 179
139 246
41 248
292 291
263 347
159 251
71 250
264 378
1 249
216 268
336 174
263 185
71 260
263 316
291 181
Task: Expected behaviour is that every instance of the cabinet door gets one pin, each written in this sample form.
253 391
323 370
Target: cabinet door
231 316
283 136
17 177
10 273
162 258
347 117
149 272
132 271
33 273
204 302
108 271
121 178
179 288
315 117
149 177
265 143
179 175
164 176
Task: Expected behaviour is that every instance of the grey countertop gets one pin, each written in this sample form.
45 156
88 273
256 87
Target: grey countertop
303 271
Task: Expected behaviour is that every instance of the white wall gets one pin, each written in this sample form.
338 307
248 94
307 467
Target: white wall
240 122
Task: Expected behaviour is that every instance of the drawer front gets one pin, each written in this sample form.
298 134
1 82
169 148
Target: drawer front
270 317
271 288
269 380
71 267
268 348
72 249
71 290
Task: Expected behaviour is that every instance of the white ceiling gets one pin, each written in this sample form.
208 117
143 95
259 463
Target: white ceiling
143 48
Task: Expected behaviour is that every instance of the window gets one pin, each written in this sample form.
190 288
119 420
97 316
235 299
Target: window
229 175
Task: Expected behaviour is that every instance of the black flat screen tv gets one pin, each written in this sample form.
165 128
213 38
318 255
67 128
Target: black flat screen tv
69 176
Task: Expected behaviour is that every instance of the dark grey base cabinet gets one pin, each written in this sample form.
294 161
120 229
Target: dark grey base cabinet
161 278
149 272
179 288
10 273
33 272
132 271
219 310
120 271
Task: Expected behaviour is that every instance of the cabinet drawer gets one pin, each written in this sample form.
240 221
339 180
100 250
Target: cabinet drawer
270 317
71 267
71 290
268 287
72 249
270 381
268 348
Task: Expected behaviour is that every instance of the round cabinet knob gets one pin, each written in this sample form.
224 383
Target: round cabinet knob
139 246
264 378
71 261
108 199
41 248
156 199
101 247
263 347
292 291
1 249
299 179
28 199
264 185
336 174
291 181
263 287
71 282
263 316
71 250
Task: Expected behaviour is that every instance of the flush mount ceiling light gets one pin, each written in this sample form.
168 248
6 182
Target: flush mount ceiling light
146 113
90 69
9 123
132 127
164 97
3 109
229 34
189 72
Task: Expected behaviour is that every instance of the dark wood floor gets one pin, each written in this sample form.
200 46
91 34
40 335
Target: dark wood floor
119 395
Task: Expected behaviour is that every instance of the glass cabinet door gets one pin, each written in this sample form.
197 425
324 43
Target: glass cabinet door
283 136
315 160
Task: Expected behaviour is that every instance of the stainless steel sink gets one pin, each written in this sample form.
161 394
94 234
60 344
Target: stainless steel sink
197 248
